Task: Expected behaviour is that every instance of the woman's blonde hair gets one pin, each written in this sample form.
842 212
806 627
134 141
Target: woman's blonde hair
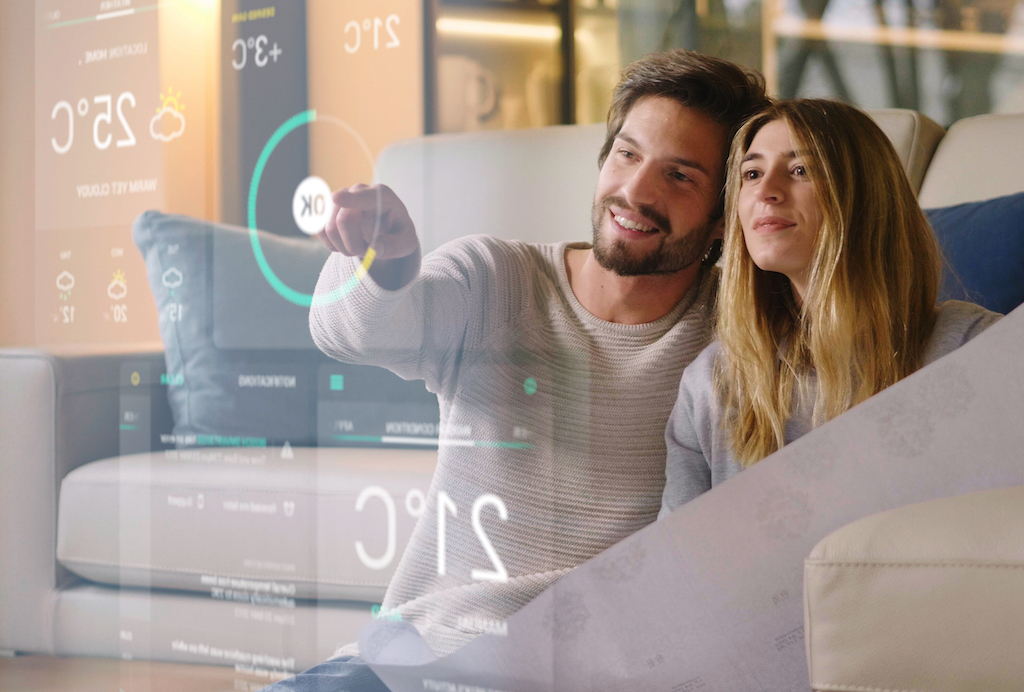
869 305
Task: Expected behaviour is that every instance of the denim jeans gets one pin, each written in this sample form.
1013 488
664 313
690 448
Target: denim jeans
344 674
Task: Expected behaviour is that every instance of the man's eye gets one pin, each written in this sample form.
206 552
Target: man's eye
680 176
626 153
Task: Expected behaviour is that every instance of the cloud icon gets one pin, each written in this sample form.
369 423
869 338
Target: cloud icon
167 120
117 289
172 278
65 281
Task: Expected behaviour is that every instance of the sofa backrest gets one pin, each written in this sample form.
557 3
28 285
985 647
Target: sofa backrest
535 185
914 136
979 158
538 185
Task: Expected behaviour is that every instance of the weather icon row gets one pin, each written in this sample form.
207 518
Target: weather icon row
117 289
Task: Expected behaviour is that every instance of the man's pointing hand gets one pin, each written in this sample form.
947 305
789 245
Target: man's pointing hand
366 216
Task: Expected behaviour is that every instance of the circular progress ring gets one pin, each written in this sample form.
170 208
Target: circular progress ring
282 289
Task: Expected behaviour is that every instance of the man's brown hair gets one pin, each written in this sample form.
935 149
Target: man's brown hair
722 90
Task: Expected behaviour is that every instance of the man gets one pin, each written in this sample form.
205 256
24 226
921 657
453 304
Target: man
556 366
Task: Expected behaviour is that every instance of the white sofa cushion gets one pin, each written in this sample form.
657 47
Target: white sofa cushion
924 597
979 158
244 524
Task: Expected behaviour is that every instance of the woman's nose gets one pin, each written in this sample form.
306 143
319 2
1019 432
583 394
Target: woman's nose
771 188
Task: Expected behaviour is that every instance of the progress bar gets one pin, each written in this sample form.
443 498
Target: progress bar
103 15
432 441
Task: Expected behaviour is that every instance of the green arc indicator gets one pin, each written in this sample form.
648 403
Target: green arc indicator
287 292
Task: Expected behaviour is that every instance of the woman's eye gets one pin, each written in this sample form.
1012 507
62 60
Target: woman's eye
750 174
801 171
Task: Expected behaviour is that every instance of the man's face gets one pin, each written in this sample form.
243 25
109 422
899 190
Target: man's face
657 189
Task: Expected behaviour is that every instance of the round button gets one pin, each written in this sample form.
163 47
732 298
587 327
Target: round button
312 205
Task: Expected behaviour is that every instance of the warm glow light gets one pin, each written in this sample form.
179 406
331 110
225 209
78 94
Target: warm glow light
481 28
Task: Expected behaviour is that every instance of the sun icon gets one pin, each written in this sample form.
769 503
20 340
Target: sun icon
119 276
170 100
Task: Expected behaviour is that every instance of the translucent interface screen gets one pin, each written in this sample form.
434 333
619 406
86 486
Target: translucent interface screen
104 122
265 493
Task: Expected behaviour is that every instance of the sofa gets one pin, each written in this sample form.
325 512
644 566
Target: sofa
142 515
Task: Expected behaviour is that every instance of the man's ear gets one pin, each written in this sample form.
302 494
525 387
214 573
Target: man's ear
717 238
713 254
718 233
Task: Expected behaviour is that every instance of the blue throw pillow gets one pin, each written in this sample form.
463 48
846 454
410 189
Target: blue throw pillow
983 244
242 369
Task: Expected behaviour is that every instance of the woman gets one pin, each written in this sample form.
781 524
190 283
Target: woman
828 292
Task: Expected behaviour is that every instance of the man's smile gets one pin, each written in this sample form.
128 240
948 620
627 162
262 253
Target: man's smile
632 224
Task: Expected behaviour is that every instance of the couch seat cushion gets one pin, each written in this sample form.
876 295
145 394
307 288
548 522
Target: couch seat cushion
256 525
925 597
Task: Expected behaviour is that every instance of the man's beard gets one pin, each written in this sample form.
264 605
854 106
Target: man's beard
669 257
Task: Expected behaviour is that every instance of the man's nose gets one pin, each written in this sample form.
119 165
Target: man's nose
641 187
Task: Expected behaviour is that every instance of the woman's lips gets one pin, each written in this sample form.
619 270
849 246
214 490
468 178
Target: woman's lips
771 224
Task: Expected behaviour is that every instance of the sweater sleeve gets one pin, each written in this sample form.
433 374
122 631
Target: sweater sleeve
957 323
688 435
421 330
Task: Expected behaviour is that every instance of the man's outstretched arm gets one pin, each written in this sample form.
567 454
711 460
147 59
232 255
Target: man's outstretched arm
414 320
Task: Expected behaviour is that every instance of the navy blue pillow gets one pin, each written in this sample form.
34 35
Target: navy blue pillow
983 243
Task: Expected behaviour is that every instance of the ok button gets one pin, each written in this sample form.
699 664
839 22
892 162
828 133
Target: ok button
312 205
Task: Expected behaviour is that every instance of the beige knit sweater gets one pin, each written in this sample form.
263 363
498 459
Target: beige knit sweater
547 411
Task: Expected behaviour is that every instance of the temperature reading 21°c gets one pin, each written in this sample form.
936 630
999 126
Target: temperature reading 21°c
415 505
354 33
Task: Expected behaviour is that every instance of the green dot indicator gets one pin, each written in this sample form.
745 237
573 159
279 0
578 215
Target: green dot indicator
530 386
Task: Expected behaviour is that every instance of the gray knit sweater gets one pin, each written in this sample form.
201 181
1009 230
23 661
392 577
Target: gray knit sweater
699 452
566 412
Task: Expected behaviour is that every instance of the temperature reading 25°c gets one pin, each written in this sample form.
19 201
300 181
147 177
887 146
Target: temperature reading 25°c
354 33
102 124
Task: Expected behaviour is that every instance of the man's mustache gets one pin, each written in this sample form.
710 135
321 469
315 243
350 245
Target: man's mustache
660 221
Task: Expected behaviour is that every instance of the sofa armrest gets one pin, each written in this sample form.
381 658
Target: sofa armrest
58 410
924 597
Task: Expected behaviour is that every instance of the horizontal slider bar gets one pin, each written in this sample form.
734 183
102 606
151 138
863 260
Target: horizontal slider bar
433 441
117 13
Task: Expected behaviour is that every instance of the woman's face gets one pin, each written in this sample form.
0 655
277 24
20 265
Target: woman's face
779 212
